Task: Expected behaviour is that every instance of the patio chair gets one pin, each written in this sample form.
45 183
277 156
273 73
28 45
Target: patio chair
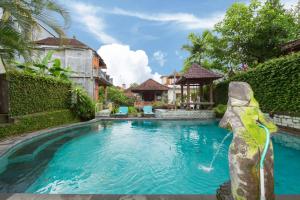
148 111
122 112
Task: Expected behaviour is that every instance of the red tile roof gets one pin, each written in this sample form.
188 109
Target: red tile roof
53 41
150 85
196 72
69 42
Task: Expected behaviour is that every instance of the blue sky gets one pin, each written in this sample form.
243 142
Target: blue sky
141 39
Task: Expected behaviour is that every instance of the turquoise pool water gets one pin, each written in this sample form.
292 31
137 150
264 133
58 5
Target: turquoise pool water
135 157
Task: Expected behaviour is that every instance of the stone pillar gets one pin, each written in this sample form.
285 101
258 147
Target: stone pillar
248 142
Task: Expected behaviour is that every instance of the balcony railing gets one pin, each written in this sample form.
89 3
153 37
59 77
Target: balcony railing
104 76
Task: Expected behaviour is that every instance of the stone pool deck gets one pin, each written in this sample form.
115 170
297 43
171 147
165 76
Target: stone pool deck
184 114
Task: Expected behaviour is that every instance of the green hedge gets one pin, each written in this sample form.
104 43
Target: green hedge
220 110
276 85
34 122
32 94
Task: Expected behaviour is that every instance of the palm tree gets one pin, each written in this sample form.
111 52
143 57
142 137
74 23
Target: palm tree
20 18
196 49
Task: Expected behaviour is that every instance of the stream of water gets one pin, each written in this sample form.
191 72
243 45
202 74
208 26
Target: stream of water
210 167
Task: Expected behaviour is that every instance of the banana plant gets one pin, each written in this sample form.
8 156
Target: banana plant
57 70
46 67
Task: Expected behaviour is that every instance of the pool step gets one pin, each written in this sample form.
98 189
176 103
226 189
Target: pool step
29 152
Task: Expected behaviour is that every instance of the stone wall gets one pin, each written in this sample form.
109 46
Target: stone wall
184 114
287 121
287 140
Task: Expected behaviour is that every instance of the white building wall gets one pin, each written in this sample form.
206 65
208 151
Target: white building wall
177 92
80 61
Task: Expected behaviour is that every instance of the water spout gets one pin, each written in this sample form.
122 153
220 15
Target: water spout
210 167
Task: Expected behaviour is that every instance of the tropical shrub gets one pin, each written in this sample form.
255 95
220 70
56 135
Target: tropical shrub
276 85
38 121
82 105
29 93
115 109
161 105
220 110
132 111
116 96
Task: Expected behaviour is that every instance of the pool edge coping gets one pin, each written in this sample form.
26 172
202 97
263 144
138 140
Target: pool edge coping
25 196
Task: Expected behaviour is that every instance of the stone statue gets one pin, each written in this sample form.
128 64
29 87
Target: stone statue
248 142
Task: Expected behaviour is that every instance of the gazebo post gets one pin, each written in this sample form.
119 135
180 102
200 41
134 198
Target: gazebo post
211 93
188 96
201 92
181 87
199 96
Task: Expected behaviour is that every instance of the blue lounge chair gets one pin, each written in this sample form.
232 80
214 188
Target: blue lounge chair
148 111
122 112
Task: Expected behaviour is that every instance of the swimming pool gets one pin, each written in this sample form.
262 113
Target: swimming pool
135 157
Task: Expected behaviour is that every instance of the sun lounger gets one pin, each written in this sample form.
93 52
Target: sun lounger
148 111
122 112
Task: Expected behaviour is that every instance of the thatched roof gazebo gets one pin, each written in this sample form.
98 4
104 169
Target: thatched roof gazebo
197 76
150 91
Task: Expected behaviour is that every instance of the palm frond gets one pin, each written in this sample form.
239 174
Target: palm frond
21 17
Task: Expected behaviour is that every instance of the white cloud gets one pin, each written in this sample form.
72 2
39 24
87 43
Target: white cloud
186 20
126 65
288 4
88 17
160 57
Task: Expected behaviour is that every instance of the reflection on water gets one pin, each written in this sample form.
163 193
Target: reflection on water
29 161
135 157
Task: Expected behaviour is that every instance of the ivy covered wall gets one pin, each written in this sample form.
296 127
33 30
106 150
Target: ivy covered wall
276 85
33 94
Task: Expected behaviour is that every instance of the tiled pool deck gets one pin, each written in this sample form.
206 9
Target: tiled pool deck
104 197
121 197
